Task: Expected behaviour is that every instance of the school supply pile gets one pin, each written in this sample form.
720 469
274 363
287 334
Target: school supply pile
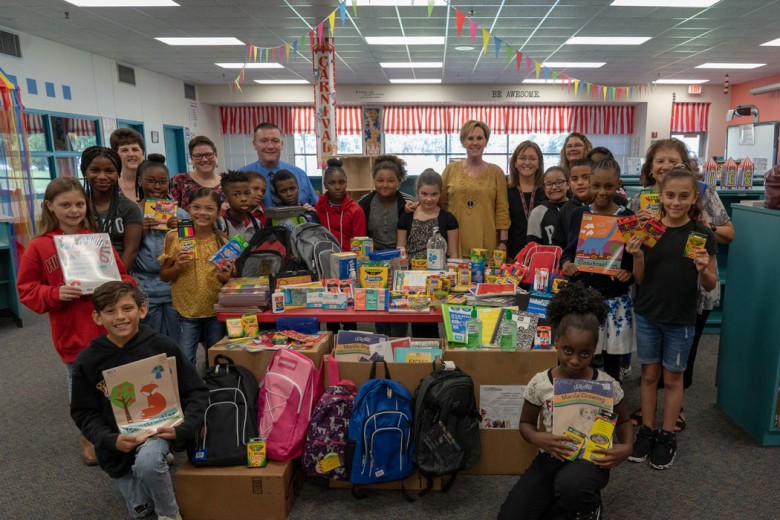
506 328
276 340
230 420
583 410
144 396
246 295
87 260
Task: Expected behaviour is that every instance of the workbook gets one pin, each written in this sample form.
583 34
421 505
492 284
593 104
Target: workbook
144 396
599 245
87 260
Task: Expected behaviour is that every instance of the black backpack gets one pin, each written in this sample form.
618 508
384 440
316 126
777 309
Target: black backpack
230 419
446 425
269 253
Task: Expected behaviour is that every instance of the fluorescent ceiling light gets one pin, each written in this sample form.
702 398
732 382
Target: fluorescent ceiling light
773 43
229 40
252 65
574 64
123 3
730 65
282 81
412 65
664 3
607 40
540 81
680 81
399 3
421 81
464 48
405 40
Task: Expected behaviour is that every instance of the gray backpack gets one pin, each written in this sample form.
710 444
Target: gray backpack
312 244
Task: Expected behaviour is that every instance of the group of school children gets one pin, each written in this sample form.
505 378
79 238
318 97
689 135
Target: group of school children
178 290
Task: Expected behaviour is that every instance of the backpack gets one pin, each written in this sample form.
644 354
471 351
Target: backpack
230 418
308 241
268 253
446 425
380 431
534 256
329 426
290 390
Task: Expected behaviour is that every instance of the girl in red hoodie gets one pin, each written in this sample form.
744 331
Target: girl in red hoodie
337 212
41 283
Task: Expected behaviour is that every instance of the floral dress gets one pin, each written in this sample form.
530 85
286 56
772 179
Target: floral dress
183 186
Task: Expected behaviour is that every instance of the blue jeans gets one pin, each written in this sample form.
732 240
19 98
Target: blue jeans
163 319
666 343
147 487
69 368
193 329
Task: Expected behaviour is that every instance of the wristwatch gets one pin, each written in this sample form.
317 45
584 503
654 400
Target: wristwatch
714 228
505 241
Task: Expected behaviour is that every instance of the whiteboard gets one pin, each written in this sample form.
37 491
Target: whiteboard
765 144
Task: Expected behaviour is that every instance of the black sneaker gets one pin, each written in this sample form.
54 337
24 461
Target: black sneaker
664 450
589 515
643 444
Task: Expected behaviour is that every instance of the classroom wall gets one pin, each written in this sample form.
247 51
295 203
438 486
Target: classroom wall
768 104
652 114
156 99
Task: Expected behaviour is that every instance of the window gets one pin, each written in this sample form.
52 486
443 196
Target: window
305 150
695 142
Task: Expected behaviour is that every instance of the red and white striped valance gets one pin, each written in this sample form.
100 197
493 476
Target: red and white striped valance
81 127
290 120
690 117
511 119
34 123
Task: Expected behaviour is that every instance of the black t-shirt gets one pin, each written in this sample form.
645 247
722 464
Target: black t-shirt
519 223
446 222
669 290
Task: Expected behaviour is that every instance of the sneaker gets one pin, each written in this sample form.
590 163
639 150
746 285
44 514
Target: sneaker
664 450
169 459
589 515
643 444
625 372
177 517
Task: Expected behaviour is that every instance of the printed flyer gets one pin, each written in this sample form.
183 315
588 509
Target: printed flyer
500 406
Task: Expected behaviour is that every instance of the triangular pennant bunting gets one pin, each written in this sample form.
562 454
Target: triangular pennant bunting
332 22
497 44
510 53
319 32
472 30
518 59
343 13
459 19
485 40
430 7
538 67
354 7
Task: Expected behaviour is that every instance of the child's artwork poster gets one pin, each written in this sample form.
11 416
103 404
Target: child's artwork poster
500 406
599 245
578 405
161 211
87 260
143 396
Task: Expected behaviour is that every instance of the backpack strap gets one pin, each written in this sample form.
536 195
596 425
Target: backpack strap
372 374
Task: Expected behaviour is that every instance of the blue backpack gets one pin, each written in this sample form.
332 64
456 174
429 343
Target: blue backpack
380 431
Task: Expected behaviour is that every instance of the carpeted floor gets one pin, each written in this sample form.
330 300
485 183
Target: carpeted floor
719 473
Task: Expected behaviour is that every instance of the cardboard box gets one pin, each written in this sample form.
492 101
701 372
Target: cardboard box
257 362
413 482
504 452
237 492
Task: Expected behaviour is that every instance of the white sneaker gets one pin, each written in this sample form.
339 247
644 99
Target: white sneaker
177 517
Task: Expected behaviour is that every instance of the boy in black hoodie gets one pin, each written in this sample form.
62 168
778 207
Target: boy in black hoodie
139 467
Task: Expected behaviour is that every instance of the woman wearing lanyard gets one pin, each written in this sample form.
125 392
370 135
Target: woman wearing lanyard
525 191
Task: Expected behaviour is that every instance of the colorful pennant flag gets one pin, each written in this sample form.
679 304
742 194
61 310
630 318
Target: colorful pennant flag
518 59
295 48
510 53
538 67
332 22
485 40
528 62
430 7
472 30
497 44
319 32
343 13
459 19
287 52
354 7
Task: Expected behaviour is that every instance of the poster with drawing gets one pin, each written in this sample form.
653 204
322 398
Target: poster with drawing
87 260
500 406
144 396
599 245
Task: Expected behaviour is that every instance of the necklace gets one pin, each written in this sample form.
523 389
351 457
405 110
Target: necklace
527 207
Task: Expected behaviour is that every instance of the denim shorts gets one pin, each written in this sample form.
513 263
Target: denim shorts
666 343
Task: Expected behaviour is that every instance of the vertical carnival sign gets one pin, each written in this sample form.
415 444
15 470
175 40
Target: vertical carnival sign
325 99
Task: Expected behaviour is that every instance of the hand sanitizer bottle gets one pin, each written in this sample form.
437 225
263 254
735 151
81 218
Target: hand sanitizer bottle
508 333
474 331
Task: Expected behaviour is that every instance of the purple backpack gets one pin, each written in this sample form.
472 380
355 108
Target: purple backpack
324 454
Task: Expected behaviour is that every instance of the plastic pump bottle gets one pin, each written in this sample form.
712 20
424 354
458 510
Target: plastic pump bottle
474 331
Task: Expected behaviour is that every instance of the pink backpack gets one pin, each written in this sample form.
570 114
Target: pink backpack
291 387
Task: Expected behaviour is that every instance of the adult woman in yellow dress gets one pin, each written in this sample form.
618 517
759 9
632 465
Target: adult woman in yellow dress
475 192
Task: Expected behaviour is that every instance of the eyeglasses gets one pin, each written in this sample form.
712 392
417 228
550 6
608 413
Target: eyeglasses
152 182
529 158
271 141
557 184
196 207
199 156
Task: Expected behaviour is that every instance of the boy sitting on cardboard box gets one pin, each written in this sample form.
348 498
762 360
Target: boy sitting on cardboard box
139 467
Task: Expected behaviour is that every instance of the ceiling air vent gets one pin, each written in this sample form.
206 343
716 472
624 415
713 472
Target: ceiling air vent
189 91
125 74
9 44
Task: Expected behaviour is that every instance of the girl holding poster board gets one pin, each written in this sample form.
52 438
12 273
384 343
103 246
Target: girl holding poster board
41 281
554 484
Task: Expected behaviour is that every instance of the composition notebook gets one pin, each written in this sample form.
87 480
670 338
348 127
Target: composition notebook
144 396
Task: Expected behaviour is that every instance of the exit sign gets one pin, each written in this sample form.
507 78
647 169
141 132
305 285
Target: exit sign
694 89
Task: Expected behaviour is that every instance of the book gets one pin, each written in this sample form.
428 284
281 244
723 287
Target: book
230 251
161 211
416 355
495 289
599 245
455 318
87 260
353 345
526 328
386 349
144 396
413 281
576 405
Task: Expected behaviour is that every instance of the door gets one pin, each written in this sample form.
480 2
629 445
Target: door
175 156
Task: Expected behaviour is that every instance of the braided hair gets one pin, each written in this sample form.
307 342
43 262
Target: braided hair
579 307
87 156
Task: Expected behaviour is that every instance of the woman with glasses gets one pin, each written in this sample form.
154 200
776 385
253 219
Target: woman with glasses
576 146
203 152
525 192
